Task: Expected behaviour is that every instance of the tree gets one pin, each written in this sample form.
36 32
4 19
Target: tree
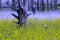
51 4
37 4
40 4
13 4
43 8
55 4
0 5
7 2
28 5
47 5
22 15
24 2
33 7
32 4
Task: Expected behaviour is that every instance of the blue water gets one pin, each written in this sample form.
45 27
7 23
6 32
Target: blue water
46 15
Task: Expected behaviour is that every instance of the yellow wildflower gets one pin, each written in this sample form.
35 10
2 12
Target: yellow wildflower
1 34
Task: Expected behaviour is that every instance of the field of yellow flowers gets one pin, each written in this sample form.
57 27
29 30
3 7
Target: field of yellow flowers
35 31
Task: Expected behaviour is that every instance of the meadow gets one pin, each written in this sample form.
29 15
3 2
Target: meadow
35 30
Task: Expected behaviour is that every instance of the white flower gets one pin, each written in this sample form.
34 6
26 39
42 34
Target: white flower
44 25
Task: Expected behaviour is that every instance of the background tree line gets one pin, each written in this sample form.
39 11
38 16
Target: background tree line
33 5
41 5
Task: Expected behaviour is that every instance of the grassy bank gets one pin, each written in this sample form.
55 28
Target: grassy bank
35 31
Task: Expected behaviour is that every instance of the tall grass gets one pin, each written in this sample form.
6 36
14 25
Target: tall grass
35 31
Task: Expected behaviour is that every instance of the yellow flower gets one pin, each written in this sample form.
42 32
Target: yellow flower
3 39
1 34
16 33
56 34
8 39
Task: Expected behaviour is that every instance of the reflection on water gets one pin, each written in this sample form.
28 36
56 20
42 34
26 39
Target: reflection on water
40 15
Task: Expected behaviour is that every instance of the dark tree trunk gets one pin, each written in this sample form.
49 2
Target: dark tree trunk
43 5
13 4
7 2
38 5
47 5
22 15
28 5
32 4
51 5
24 2
0 5
55 4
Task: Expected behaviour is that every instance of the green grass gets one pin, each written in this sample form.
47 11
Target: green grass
35 30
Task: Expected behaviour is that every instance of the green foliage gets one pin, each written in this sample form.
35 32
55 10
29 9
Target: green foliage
35 31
